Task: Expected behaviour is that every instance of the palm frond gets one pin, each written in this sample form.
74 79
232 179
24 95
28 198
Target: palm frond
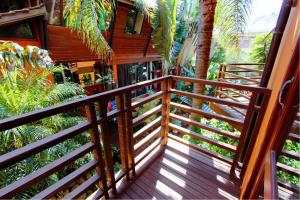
163 21
14 56
231 20
88 18
260 49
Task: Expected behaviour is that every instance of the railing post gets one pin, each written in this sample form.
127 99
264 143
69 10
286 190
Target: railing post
129 131
220 77
165 87
95 137
244 131
123 141
106 142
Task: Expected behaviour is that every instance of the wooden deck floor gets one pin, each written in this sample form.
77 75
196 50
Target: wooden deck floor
182 173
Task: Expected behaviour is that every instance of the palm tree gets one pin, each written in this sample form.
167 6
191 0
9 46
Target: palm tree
206 24
230 21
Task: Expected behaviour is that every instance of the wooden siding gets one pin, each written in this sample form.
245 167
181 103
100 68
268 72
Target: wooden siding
65 46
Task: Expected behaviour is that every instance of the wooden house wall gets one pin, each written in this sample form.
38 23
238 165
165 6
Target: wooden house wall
65 46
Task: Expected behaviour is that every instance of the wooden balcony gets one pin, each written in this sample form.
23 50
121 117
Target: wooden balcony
156 161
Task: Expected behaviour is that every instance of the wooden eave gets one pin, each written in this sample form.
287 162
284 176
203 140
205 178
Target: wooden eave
21 15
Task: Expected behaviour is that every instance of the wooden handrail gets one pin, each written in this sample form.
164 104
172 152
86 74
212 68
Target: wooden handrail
206 114
240 77
36 176
222 84
26 118
33 148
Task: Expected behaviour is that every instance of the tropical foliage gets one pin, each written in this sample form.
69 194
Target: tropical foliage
162 15
89 18
25 85
260 48
231 20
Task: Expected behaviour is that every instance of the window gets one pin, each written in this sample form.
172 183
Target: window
9 5
134 22
22 30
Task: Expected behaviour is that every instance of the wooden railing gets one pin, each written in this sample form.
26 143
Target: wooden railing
242 74
250 108
136 141
290 158
245 74
270 180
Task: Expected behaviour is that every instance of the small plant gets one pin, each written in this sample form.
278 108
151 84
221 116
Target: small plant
105 78
86 79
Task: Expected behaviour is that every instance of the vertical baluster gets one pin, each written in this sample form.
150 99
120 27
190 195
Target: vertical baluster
122 135
29 3
106 137
129 131
250 111
165 86
95 137
220 77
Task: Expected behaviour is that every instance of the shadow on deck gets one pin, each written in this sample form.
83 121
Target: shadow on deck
178 172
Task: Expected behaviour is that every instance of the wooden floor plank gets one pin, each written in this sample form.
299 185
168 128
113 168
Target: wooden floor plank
190 185
180 174
213 182
150 187
174 183
192 181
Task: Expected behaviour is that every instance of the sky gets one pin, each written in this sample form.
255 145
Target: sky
263 16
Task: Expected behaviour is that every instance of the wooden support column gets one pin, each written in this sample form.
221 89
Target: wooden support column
115 72
106 137
95 137
165 87
123 141
129 131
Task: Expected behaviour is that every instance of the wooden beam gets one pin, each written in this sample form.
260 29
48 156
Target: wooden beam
148 43
21 15
115 72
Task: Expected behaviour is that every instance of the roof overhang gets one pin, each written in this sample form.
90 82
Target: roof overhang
21 15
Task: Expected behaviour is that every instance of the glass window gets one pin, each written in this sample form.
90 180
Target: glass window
22 30
130 21
134 22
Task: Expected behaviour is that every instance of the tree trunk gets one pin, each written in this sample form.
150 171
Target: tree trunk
206 25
